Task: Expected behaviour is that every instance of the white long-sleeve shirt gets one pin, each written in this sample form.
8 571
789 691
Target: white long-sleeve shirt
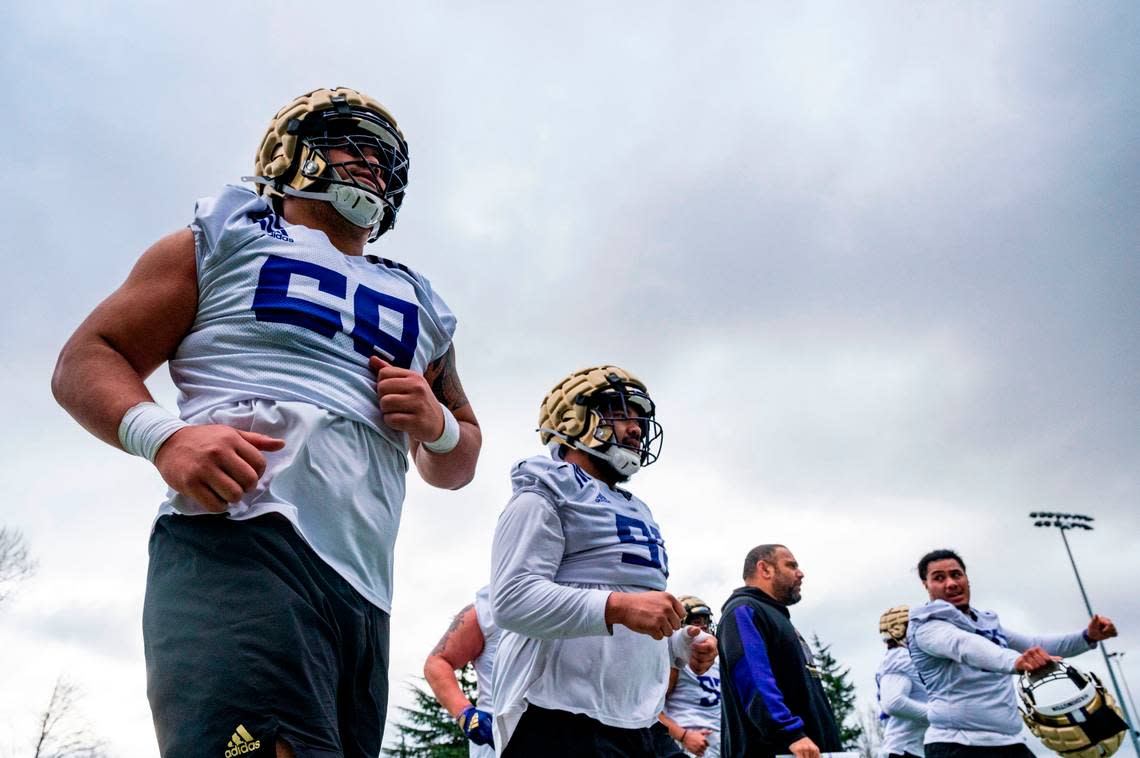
902 700
966 661
564 542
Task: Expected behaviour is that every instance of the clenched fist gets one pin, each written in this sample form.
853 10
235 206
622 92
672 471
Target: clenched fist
703 652
1100 628
407 401
213 463
1033 659
657 614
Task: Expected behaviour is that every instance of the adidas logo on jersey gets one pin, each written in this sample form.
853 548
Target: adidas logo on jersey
241 742
272 226
601 499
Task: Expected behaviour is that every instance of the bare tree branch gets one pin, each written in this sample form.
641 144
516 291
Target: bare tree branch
15 563
62 734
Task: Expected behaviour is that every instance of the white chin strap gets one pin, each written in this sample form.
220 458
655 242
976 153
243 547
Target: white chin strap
359 206
625 462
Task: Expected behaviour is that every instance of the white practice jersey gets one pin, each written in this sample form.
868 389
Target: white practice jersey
694 703
902 704
484 664
280 345
564 542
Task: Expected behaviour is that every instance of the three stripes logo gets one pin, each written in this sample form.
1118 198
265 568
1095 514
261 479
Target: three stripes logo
241 742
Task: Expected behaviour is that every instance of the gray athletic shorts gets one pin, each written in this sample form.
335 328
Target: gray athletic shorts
251 638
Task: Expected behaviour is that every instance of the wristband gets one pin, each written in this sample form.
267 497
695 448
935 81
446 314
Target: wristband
449 438
145 427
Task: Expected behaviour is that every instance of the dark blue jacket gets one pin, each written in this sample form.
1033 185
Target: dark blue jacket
772 693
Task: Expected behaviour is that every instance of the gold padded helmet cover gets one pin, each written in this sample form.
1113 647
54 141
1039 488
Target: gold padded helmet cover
693 604
565 413
893 623
1067 736
278 150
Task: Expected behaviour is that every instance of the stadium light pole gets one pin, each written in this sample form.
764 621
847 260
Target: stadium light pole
1063 522
1120 667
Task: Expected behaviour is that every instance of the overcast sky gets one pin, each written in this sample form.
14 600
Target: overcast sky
878 266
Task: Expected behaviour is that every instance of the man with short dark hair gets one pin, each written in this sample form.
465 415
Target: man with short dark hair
773 696
965 657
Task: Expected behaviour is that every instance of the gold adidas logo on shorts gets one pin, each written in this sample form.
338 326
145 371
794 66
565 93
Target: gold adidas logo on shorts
241 742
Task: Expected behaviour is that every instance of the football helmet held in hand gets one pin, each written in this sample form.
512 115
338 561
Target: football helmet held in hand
1070 711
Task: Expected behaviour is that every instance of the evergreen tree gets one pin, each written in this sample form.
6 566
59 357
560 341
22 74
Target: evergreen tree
840 692
429 731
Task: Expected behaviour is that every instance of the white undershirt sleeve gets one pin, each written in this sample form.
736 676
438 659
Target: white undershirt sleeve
525 556
943 639
895 699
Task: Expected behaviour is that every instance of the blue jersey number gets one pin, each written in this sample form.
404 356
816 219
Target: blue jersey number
272 303
637 532
711 685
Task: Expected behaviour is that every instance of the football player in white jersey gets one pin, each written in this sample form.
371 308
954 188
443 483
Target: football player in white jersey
471 638
307 370
578 580
901 694
692 702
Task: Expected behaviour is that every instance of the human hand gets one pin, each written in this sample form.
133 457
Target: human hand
1100 628
804 748
704 651
407 401
1033 659
476 724
657 614
696 741
214 464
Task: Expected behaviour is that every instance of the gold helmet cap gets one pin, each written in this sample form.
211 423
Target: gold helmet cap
286 164
570 413
893 623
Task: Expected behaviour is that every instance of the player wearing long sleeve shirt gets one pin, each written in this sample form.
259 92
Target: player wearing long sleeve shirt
965 658
902 696
578 579
772 694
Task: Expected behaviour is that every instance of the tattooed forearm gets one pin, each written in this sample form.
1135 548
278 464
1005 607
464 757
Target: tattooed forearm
445 381
455 622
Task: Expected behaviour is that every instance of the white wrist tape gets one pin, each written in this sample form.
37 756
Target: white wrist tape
145 427
681 646
450 436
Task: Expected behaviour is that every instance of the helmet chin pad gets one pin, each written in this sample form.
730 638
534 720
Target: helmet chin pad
359 206
623 460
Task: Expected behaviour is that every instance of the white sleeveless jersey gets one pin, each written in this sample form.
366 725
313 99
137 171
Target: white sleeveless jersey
553 656
280 345
695 699
484 664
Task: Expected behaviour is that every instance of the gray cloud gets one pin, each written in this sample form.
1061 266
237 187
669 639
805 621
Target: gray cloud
878 266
